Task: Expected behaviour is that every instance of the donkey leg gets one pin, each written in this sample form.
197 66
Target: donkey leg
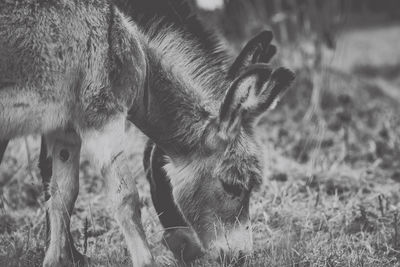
179 236
64 186
123 197
3 146
45 168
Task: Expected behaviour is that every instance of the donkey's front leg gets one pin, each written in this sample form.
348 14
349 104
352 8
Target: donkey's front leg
45 168
123 197
3 146
64 186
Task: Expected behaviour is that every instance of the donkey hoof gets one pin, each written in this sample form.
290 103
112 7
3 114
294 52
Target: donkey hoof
183 243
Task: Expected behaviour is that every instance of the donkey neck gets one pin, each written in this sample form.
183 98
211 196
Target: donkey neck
183 91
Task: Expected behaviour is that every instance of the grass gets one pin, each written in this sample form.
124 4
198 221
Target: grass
331 195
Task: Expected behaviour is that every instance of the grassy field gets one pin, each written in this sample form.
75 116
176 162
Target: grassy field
331 194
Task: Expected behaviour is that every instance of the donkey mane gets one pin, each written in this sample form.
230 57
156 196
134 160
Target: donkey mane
178 13
181 41
184 58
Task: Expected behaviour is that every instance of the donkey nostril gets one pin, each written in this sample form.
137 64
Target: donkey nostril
247 227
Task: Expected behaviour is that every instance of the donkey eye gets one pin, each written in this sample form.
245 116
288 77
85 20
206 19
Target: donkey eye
233 189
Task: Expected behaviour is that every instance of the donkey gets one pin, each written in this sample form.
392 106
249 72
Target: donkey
179 236
76 71
199 214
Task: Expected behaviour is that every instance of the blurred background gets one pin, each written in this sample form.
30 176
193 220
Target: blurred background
331 193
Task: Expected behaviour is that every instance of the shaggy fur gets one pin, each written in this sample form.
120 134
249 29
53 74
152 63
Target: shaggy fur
63 61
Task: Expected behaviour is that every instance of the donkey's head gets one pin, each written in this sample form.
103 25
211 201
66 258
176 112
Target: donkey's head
214 161
213 188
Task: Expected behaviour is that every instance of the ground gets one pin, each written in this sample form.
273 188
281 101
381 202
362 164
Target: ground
331 193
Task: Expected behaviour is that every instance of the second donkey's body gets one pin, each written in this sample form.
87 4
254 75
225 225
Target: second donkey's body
64 62
71 70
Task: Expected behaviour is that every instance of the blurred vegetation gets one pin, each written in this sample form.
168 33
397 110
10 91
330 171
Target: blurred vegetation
306 30
292 20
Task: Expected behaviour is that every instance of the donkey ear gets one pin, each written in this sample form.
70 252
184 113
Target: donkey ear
240 97
256 90
257 50
271 92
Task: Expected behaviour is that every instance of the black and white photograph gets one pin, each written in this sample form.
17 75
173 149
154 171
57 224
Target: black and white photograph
197 133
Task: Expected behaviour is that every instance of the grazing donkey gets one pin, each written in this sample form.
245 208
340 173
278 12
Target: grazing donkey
72 71
201 211
214 210
179 236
